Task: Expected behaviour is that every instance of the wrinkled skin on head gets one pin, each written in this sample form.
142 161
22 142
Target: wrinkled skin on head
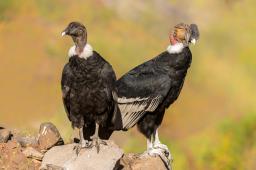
75 29
184 33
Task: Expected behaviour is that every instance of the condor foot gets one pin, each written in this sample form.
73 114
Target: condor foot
96 141
82 144
164 154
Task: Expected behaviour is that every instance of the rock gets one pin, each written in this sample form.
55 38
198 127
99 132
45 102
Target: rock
36 164
141 161
26 141
4 135
49 136
30 152
64 157
11 157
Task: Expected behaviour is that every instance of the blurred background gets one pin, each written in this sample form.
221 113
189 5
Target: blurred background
211 126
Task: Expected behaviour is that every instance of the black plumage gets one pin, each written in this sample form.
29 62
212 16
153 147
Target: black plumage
87 90
145 92
156 83
88 82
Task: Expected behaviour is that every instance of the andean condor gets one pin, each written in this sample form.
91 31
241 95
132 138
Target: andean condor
145 92
87 83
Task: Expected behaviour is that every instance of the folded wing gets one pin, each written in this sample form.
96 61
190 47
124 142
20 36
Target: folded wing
66 85
139 91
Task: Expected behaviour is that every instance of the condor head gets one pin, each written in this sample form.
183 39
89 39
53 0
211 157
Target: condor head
75 29
185 34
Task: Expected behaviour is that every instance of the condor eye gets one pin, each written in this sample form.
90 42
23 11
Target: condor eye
80 31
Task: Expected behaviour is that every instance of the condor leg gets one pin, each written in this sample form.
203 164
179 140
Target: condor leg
96 141
82 142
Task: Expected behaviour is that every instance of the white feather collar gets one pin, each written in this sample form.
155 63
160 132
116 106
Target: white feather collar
174 49
87 52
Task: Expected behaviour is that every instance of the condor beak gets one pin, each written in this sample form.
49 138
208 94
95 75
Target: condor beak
193 41
63 33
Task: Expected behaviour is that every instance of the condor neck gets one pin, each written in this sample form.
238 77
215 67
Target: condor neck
80 43
175 48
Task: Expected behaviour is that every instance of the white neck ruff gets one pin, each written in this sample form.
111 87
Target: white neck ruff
174 49
87 52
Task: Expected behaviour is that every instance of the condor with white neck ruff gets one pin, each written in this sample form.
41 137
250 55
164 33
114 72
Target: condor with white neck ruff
87 85
145 92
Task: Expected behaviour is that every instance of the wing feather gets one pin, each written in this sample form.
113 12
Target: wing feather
141 90
133 109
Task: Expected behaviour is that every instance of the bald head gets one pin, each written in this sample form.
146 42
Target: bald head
75 29
184 33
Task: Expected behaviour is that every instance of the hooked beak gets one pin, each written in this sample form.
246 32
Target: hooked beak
63 33
193 41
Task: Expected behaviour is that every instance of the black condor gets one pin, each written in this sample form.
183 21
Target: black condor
88 82
145 92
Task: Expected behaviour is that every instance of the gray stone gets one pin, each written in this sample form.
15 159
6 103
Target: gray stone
49 136
25 141
4 135
64 157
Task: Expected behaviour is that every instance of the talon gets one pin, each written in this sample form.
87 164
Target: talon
163 154
97 142
97 146
161 146
80 146
77 148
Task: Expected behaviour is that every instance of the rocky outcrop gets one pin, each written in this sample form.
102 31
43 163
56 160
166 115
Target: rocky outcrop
11 157
46 151
110 157
20 151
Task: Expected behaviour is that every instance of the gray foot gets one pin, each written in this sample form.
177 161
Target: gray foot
81 145
165 155
96 141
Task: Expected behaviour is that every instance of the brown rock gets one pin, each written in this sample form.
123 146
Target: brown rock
25 141
30 152
139 162
4 135
36 164
11 157
49 136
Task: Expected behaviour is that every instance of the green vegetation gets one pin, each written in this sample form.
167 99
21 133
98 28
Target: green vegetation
232 144
211 126
4 7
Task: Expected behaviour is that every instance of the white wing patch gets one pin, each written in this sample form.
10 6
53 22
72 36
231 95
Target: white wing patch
153 105
129 100
132 109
